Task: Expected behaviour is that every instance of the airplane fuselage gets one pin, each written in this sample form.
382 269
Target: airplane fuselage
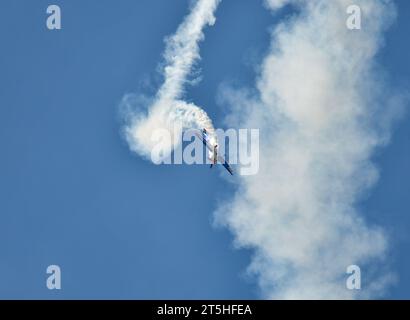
213 151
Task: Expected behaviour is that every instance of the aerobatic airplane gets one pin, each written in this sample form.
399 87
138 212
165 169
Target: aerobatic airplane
213 150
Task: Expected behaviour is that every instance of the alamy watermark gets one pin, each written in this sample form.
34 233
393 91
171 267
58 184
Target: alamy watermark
354 20
354 280
53 21
237 146
54 280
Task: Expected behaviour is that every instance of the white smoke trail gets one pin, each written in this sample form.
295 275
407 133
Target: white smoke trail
321 115
166 110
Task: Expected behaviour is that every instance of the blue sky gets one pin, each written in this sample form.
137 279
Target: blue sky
71 192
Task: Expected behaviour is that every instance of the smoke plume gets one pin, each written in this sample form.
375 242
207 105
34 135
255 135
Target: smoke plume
322 111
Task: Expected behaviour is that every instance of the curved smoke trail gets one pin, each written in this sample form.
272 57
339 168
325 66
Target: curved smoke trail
167 110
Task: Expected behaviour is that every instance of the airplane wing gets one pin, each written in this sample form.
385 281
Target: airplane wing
205 140
225 164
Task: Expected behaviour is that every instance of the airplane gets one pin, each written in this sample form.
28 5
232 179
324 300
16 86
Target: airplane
206 139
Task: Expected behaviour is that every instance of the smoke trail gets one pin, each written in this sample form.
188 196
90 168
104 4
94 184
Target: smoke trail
167 110
321 113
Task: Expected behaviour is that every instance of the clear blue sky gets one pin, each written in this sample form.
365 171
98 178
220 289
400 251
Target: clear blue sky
72 194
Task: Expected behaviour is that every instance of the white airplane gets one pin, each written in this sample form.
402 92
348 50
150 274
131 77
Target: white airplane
213 150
